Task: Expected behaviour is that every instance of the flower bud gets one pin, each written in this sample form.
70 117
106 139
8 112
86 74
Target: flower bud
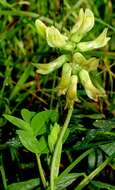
88 21
79 22
55 38
90 64
41 28
71 96
78 58
49 67
85 24
99 42
53 136
91 91
65 79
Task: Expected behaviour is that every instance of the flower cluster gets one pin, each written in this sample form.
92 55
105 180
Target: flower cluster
76 68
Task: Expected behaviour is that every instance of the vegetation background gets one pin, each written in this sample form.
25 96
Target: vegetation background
92 124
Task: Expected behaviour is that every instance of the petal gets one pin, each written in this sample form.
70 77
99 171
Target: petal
84 25
71 96
78 58
89 65
99 42
55 38
88 21
50 67
41 28
65 79
79 22
91 91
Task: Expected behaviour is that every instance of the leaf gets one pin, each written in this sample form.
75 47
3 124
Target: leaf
92 160
105 124
74 163
53 136
67 180
102 185
27 115
40 120
30 142
43 145
109 148
21 81
25 185
17 122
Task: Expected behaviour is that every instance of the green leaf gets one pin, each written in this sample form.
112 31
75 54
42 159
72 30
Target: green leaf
74 163
102 185
105 124
65 181
43 145
17 122
30 142
53 136
25 185
21 82
92 160
27 115
40 120
109 148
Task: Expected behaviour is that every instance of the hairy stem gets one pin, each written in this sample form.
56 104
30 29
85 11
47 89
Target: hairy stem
57 149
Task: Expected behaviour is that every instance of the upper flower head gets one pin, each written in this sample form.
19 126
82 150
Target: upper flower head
75 65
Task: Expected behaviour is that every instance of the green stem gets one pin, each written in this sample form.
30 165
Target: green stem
87 179
3 177
57 148
21 82
41 171
18 13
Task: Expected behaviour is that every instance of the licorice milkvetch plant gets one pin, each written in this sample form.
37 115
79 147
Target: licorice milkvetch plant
75 68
